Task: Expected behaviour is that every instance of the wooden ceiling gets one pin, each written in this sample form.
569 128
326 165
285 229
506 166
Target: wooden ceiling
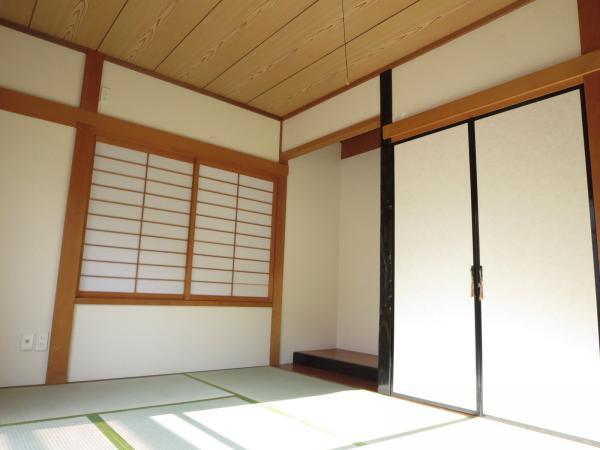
273 55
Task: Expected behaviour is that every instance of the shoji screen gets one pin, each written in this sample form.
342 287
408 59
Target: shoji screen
434 347
232 247
137 225
541 359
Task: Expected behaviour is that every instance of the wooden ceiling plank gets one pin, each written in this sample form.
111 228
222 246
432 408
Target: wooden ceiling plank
361 15
146 31
229 32
274 55
316 80
449 37
17 11
78 21
313 34
417 26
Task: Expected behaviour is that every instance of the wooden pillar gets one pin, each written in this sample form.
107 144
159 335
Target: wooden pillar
589 33
74 227
589 29
387 243
279 230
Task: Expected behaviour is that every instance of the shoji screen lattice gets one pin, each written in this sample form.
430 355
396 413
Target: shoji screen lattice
138 227
232 247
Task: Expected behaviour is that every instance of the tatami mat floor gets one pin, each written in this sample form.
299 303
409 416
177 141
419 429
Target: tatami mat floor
255 408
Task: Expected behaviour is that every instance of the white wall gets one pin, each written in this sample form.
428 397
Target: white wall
35 159
40 68
345 109
311 253
538 35
124 341
331 268
212 337
533 37
35 162
358 276
147 100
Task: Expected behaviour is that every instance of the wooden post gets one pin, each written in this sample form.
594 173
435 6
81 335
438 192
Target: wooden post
279 230
74 227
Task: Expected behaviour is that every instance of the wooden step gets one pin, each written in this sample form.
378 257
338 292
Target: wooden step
361 365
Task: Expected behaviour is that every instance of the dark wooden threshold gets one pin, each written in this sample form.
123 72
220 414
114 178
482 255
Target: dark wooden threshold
335 377
355 364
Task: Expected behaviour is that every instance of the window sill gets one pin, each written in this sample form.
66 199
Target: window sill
154 301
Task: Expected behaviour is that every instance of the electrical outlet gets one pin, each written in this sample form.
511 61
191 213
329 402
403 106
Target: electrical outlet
26 342
41 342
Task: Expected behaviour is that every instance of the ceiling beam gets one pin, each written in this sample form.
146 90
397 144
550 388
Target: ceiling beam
331 138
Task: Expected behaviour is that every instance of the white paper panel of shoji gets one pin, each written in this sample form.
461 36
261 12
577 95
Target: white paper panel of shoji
165 226
233 234
137 225
113 225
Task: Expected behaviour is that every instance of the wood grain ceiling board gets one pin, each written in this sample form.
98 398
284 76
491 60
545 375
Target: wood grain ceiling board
361 15
412 29
17 11
229 32
83 22
311 83
146 31
310 36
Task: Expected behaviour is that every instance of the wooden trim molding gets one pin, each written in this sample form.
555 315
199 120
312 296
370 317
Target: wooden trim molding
92 127
92 75
589 28
560 76
331 138
74 227
70 255
279 226
589 18
137 134
191 234
362 143
170 302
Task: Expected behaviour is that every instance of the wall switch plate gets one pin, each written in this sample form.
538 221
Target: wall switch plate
26 342
104 95
41 342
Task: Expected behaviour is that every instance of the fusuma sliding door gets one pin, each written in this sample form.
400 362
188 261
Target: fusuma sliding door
509 191
541 356
434 345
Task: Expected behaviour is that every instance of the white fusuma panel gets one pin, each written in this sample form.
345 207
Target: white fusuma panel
541 364
434 346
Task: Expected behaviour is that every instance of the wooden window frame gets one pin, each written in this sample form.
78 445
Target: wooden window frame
91 127
187 298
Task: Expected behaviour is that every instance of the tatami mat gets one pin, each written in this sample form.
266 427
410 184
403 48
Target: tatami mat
45 402
77 433
255 408
350 414
266 384
227 423
362 416
477 434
